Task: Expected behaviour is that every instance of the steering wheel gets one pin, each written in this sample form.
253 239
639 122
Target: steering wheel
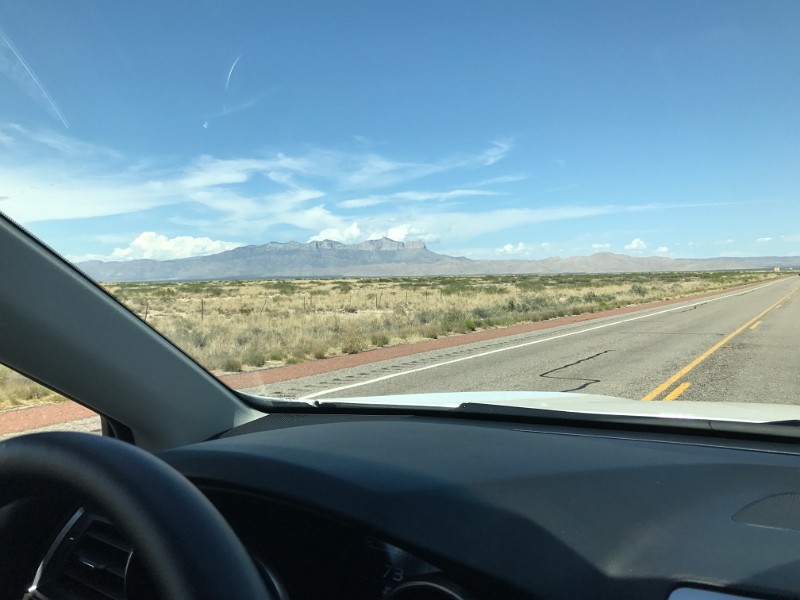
189 550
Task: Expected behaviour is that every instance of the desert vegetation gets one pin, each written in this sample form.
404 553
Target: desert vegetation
17 391
242 325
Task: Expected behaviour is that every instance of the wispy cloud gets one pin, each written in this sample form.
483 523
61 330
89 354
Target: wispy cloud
560 188
15 68
23 140
230 72
495 153
498 180
247 197
467 224
235 108
414 196
375 171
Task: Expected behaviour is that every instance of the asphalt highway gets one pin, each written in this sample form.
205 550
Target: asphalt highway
740 346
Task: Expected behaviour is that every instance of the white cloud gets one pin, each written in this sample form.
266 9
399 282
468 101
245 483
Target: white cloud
636 245
764 240
662 249
150 244
600 246
511 249
406 231
346 235
354 233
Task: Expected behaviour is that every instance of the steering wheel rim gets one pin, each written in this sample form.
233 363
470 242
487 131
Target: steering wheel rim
188 548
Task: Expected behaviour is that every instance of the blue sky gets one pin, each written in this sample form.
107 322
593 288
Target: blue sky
491 130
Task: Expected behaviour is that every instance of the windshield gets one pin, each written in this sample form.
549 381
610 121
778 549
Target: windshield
326 200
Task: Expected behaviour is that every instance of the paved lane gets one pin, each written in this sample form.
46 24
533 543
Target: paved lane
736 346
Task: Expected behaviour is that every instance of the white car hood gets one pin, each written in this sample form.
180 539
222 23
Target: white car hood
589 404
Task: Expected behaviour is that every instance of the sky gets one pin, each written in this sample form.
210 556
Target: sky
502 129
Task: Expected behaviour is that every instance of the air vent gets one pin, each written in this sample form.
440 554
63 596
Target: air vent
90 565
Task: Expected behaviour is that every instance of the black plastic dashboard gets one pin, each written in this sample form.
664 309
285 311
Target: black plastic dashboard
550 512
494 509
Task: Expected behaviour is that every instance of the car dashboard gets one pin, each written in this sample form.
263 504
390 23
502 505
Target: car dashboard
412 506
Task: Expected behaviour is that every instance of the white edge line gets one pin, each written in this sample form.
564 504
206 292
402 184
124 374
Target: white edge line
531 343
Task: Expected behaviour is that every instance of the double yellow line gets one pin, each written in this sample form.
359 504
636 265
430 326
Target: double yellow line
652 395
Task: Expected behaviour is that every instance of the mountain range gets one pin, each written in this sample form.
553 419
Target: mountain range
389 258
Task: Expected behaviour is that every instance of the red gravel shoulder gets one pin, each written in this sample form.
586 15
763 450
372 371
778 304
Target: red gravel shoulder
35 417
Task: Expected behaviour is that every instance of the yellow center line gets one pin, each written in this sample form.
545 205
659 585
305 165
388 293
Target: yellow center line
677 391
658 390
756 324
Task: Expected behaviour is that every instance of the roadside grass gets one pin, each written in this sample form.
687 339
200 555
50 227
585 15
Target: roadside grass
17 390
244 325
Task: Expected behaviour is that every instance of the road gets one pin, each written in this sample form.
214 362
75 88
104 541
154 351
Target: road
739 346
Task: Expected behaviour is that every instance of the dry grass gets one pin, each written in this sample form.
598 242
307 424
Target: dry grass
17 390
241 325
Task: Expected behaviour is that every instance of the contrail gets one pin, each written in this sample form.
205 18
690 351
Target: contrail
233 66
14 74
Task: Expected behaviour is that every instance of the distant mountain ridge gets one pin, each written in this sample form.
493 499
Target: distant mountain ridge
390 258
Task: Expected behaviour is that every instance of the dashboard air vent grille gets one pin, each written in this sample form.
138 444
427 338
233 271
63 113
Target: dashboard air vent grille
94 567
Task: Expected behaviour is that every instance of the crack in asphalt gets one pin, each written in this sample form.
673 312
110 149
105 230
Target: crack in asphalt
587 383
692 308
